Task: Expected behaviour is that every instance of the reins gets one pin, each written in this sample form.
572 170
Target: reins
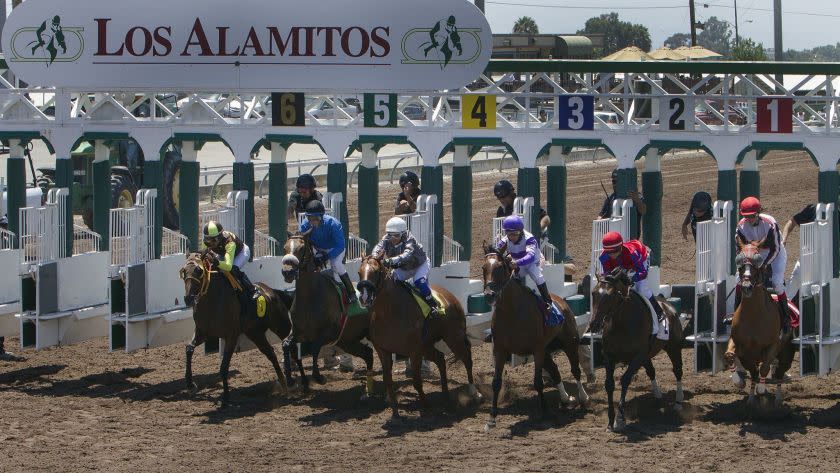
204 282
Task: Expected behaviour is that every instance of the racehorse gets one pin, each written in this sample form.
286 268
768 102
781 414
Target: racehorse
625 321
318 314
397 325
518 328
754 342
216 314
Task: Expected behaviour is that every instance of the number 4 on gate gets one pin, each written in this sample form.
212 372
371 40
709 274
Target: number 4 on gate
478 111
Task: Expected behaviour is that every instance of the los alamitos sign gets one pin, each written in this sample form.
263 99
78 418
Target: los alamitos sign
265 45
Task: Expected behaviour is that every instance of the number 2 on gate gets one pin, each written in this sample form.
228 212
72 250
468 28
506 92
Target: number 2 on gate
478 111
676 113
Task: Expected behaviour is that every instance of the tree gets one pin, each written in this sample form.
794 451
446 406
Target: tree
617 34
678 39
716 35
526 25
748 50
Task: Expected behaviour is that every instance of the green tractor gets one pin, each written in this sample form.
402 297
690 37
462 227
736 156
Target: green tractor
127 162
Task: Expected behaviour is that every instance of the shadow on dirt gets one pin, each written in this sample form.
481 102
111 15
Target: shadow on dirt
764 419
32 374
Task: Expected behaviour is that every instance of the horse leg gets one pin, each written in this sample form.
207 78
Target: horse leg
609 387
626 378
572 352
258 337
387 362
198 339
224 369
764 370
462 350
416 360
436 356
290 352
315 347
360 350
554 373
753 380
539 361
651 372
499 359
675 354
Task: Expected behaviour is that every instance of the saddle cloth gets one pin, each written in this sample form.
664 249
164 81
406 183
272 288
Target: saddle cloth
656 323
551 318
793 311
261 301
425 309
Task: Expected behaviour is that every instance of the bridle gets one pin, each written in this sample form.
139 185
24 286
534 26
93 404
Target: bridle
747 260
307 258
611 281
494 286
203 281
366 271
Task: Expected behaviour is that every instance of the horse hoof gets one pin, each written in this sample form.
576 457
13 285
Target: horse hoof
278 388
739 380
192 387
490 425
678 407
729 357
761 388
619 425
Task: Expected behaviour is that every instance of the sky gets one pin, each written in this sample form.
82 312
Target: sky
805 23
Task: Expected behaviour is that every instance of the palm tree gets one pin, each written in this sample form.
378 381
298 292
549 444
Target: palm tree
526 25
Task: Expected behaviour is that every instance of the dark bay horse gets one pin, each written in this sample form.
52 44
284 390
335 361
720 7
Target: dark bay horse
754 342
397 326
216 314
625 322
518 328
317 314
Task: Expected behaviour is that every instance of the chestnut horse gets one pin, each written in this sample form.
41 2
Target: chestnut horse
518 328
754 342
625 321
398 326
216 314
317 314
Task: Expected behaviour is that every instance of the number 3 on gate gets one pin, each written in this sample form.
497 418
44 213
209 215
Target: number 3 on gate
478 111
774 115
576 112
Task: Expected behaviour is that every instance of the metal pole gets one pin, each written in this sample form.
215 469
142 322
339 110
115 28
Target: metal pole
480 5
777 29
693 22
737 38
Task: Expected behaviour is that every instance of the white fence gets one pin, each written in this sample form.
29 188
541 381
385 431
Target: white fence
131 231
7 240
713 243
265 246
43 229
600 227
85 241
421 223
451 250
522 206
173 243
815 249
356 248
231 216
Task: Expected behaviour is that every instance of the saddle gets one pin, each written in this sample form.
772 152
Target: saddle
347 310
551 318
425 309
261 303
793 311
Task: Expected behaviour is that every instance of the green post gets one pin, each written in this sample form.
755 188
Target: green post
188 212
627 181
462 186
827 189
15 191
728 190
368 197
431 178
528 185
337 182
556 177
101 192
750 184
64 178
243 180
153 179
652 222
278 196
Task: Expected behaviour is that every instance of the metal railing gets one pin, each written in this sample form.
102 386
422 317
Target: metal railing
451 250
85 241
549 252
713 243
421 223
265 246
7 240
600 227
522 206
356 247
815 248
173 243
127 237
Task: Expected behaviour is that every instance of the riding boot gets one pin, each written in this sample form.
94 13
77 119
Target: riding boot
657 308
727 320
245 301
348 285
247 286
546 297
783 312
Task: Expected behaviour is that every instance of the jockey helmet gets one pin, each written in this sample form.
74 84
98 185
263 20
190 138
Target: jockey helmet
315 209
396 225
212 232
750 206
701 201
612 241
409 176
503 189
513 223
306 181
451 20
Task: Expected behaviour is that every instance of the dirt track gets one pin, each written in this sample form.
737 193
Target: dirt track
81 408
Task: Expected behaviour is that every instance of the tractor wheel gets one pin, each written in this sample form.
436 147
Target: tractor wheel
87 213
171 190
122 195
45 182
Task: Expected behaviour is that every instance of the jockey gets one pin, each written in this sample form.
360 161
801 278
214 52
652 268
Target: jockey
303 194
234 253
406 256
633 256
525 254
410 191
757 226
328 239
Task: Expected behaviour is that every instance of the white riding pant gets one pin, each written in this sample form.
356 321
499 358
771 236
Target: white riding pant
643 288
795 282
242 258
337 263
534 270
419 272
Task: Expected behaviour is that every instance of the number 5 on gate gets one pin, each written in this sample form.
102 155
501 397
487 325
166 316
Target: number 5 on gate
478 111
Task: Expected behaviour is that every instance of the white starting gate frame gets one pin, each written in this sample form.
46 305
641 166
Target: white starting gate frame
147 308
819 329
64 298
714 288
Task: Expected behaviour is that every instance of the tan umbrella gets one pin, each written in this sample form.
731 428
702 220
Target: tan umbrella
666 53
630 53
696 52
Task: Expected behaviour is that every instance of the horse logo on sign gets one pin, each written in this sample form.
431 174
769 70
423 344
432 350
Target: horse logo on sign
443 44
50 43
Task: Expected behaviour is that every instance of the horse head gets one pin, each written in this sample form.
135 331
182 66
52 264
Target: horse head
372 273
298 256
610 292
749 263
196 276
496 272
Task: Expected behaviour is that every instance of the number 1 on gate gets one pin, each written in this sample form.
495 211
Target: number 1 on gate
774 115
478 111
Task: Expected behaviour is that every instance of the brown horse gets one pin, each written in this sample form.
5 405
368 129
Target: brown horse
754 342
216 314
398 326
318 313
518 328
626 324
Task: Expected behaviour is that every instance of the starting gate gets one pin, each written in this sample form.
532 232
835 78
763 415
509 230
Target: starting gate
62 299
819 329
713 288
